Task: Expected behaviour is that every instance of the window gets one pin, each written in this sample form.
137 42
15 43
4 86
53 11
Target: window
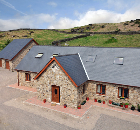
83 88
91 58
55 55
118 60
123 92
28 78
101 89
55 91
39 55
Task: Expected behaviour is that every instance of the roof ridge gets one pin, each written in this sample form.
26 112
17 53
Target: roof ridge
67 55
91 46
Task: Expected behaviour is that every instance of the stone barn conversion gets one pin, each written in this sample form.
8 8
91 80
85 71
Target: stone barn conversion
67 75
14 52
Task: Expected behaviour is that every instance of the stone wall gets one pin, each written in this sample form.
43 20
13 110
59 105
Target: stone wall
3 63
19 57
56 76
82 96
69 39
112 93
22 79
11 65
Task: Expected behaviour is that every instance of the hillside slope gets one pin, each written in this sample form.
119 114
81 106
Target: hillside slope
43 37
46 37
133 25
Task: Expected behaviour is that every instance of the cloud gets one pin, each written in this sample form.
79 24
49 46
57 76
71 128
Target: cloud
63 23
90 16
28 21
97 16
52 4
11 6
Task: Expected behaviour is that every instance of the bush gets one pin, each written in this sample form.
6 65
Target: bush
111 40
7 42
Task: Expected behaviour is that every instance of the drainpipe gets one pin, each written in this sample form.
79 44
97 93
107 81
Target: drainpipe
18 77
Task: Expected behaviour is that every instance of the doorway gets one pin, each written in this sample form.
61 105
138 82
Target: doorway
55 94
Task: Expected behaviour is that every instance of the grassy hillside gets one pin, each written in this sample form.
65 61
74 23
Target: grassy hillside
107 40
133 25
46 37
43 37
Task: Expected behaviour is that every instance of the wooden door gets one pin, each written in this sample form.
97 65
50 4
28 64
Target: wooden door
7 65
55 93
0 63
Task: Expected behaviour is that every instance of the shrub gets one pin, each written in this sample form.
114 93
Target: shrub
7 42
111 40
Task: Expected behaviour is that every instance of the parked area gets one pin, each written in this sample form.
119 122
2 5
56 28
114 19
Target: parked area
17 112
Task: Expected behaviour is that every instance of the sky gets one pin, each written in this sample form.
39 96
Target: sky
64 14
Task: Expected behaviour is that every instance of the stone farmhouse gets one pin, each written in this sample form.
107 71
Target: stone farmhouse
14 52
67 75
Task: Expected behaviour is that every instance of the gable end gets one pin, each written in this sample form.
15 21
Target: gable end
54 59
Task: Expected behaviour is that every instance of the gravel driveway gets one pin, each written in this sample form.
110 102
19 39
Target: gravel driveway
15 115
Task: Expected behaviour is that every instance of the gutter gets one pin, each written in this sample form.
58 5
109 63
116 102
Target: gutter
83 66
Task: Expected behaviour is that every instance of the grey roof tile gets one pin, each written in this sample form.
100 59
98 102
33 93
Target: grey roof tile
13 48
73 66
102 69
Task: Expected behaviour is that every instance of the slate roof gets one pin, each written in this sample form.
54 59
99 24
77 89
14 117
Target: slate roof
13 48
102 69
73 66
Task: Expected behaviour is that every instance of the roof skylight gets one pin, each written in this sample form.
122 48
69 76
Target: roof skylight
91 58
39 55
55 54
118 60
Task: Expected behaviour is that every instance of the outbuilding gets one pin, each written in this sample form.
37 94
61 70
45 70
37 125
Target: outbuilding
14 52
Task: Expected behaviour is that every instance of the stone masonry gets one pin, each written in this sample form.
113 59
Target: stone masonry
3 63
19 57
55 76
112 93
22 79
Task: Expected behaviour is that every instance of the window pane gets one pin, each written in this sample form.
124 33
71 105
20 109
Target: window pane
39 55
103 89
118 60
55 91
98 89
126 93
91 58
83 88
120 92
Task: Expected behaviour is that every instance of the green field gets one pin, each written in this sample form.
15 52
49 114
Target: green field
107 40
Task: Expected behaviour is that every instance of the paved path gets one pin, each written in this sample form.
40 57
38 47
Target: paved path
13 116
77 113
22 88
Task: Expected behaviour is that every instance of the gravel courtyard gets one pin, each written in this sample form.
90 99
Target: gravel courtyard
16 115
